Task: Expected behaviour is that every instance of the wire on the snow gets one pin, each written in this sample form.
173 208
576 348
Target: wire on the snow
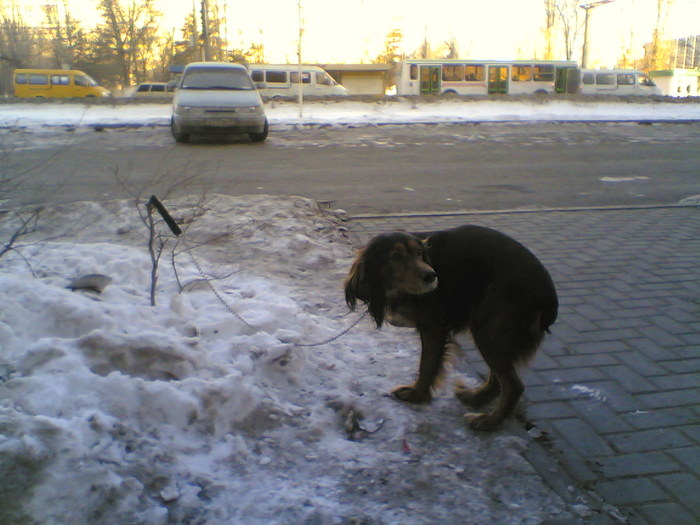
177 231
252 327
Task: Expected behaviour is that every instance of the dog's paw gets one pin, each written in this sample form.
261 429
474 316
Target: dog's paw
409 394
483 422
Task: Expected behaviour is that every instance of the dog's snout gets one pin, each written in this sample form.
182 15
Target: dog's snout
429 276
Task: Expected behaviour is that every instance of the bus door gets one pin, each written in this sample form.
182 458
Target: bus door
429 80
498 80
561 80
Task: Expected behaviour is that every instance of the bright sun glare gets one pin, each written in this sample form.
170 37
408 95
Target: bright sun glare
354 31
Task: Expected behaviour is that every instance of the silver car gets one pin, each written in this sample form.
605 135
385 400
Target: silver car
217 97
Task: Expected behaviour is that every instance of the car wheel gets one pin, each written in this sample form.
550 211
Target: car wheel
177 135
260 137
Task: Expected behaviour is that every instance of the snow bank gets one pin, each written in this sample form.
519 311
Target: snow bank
115 411
397 110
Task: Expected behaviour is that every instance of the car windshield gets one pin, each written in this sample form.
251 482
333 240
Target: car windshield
216 78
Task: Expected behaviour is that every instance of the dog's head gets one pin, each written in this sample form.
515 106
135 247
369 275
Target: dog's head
392 263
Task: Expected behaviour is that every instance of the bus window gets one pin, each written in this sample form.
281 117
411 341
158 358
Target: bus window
305 77
20 79
257 76
413 73
544 73
83 80
589 79
276 76
59 80
324 79
625 80
644 80
453 73
605 79
521 73
474 73
38 80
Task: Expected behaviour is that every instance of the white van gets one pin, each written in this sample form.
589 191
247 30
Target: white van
282 80
617 82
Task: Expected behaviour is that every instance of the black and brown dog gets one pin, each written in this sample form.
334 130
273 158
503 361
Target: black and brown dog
468 278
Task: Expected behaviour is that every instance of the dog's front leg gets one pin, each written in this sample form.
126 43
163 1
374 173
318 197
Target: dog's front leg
433 341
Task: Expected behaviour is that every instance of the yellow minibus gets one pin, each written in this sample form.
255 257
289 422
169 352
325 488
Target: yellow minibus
55 83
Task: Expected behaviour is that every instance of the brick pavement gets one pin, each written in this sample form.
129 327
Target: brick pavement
613 396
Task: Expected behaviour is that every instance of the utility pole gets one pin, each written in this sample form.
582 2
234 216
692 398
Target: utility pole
300 95
205 31
587 7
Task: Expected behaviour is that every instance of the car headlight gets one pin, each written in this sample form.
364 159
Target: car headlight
183 109
250 109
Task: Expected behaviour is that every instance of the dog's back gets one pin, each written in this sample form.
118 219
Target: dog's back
473 260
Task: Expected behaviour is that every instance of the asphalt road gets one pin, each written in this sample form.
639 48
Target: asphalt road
368 170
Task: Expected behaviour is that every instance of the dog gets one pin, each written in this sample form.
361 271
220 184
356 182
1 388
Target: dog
469 278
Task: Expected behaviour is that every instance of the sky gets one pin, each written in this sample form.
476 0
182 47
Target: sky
354 31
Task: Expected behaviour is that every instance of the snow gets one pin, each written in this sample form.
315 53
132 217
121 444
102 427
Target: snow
116 411
397 110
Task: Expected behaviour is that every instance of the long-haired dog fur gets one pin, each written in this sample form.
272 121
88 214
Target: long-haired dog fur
468 278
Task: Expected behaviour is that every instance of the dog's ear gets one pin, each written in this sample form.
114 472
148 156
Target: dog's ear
364 283
425 244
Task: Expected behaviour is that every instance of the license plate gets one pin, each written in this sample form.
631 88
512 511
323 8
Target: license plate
221 122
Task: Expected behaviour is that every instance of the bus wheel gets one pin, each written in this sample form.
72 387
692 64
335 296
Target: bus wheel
541 92
449 92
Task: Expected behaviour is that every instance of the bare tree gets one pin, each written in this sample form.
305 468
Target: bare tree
68 40
18 43
569 15
657 53
127 36
550 16
451 47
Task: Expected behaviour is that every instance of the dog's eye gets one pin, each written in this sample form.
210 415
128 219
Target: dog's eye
396 256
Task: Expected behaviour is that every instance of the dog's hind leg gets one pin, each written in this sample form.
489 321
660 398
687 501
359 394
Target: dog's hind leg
430 370
511 388
476 397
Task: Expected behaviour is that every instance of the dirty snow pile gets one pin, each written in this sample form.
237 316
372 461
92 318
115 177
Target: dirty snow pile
115 411
339 113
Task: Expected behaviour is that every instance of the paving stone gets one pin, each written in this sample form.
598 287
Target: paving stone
688 457
671 398
660 335
685 487
667 514
668 382
647 440
574 361
551 410
631 491
664 417
638 464
641 363
631 380
573 375
582 437
683 365
601 417
602 347
693 432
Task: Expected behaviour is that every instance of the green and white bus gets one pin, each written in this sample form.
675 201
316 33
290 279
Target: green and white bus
484 77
